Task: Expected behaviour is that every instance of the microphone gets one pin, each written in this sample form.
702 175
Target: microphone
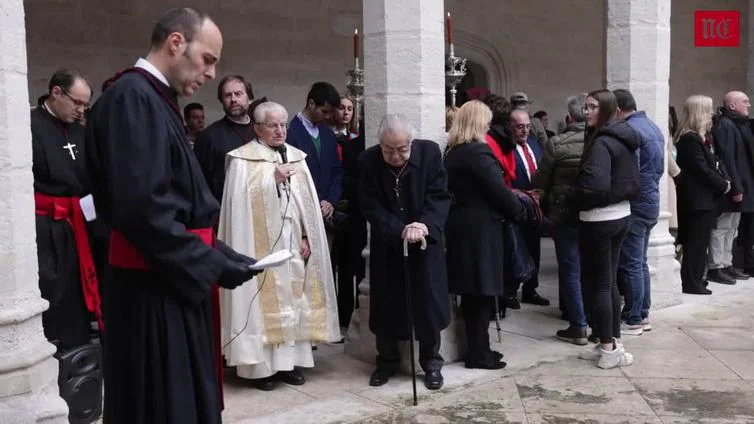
283 152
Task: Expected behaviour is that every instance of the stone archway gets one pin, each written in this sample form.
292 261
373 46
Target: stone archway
485 57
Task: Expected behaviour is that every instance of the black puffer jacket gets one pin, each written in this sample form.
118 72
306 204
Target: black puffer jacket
609 168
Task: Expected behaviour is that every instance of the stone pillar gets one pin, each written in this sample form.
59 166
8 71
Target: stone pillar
404 57
750 59
638 59
28 372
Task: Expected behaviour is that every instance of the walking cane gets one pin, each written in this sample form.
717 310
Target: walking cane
497 321
407 277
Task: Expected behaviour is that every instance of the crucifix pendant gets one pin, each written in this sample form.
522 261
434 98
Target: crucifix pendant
397 190
70 147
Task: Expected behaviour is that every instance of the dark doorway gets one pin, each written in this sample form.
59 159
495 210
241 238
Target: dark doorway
476 77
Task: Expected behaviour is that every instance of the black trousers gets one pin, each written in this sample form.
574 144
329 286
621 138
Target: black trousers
696 235
476 312
745 241
600 244
389 357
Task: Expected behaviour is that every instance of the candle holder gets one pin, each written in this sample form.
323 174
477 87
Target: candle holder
455 71
355 82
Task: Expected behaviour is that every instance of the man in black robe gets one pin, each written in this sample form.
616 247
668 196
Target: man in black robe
403 195
60 181
229 133
161 356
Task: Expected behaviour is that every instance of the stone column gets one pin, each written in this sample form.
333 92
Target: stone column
28 372
404 57
638 59
750 60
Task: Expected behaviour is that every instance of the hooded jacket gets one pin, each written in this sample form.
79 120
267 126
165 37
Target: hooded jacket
651 154
609 168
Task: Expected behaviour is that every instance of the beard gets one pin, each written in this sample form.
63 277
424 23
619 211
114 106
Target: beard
236 111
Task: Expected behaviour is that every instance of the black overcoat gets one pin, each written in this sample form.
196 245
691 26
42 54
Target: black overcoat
424 198
474 231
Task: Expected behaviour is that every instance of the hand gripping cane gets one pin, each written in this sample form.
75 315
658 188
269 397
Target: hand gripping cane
407 277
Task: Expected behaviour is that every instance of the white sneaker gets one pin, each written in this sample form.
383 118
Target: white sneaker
617 357
592 354
646 326
632 330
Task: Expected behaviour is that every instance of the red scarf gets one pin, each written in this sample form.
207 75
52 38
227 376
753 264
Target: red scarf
507 160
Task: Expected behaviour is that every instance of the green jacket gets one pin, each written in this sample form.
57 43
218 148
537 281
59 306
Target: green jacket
557 173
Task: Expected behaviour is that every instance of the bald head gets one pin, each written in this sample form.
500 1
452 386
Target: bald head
737 102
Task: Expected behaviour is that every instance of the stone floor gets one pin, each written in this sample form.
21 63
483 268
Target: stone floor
696 366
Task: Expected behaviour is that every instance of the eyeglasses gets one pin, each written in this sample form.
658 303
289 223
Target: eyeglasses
590 108
76 102
522 127
400 151
274 126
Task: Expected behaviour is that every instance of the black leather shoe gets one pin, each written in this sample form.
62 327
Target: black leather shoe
512 302
497 355
696 290
719 276
265 384
294 378
380 377
433 380
485 365
534 298
735 274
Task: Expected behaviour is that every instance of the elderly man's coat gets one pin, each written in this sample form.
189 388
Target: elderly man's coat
424 198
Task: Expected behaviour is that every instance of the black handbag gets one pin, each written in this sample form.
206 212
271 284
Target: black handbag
519 266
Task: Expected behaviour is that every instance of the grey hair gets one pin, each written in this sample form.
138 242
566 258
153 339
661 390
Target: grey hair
395 124
261 111
576 107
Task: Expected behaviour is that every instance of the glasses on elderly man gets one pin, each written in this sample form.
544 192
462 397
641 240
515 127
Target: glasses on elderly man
273 126
522 127
399 151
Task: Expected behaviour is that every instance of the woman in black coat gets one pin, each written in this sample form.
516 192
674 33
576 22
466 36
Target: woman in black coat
700 187
474 229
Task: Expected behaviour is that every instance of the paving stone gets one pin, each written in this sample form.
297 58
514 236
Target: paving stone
590 419
335 373
580 395
242 400
680 363
699 399
740 361
722 338
343 407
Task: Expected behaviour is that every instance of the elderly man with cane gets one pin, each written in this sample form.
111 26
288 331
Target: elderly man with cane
404 197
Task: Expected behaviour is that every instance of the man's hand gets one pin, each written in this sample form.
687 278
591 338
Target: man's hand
305 249
738 198
237 271
414 232
284 171
327 208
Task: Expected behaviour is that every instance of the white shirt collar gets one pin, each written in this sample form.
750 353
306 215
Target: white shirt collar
49 109
312 129
145 65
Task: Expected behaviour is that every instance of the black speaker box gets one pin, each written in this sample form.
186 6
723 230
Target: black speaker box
80 382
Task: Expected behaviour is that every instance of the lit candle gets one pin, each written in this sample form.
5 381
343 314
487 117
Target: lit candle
450 29
356 43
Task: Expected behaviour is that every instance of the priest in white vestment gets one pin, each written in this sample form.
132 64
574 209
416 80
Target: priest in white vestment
270 323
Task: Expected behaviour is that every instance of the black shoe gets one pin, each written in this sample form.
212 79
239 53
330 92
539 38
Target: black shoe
696 290
294 377
573 335
735 274
749 272
593 338
719 276
497 355
485 364
380 377
534 298
512 302
433 380
265 384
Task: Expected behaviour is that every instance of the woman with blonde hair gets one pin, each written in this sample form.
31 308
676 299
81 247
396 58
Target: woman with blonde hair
474 229
701 185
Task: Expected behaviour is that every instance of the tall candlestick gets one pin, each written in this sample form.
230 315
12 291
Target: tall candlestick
356 43
449 23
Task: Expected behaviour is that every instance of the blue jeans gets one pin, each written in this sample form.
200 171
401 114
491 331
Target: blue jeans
633 271
569 273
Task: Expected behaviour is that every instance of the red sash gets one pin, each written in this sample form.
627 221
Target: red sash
69 209
124 255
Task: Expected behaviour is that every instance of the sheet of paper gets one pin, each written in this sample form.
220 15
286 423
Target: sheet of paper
271 260
87 207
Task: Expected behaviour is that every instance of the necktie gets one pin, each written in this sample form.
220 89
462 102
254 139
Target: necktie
529 160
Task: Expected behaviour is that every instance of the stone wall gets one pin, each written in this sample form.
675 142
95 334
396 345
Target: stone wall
549 49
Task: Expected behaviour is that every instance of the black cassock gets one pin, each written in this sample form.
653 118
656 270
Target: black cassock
213 144
59 171
424 198
159 356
